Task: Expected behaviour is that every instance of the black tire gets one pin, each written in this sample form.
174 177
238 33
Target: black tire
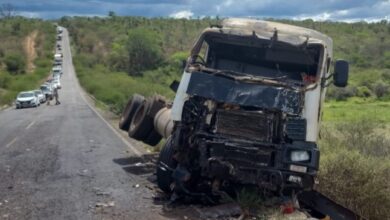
157 102
132 105
142 124
153 138
165 165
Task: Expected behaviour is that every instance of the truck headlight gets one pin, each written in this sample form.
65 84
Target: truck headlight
299 155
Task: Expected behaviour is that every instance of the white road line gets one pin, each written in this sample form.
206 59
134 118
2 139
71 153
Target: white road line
10 143
29 125
137 152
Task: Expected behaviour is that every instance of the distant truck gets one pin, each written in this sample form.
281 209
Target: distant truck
247 109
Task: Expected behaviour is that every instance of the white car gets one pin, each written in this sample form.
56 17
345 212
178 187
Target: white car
27 99
56 83
57 70
41 96
47 91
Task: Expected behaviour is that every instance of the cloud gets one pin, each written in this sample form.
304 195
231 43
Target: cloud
182 14
340 10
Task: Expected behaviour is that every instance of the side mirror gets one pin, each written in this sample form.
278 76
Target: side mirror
340 76
174 85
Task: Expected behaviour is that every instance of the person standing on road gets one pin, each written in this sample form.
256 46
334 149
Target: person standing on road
56 96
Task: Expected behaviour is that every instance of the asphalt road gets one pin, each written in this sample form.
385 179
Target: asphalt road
65 162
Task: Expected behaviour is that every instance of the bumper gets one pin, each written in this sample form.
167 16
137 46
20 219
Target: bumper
25 104
266 165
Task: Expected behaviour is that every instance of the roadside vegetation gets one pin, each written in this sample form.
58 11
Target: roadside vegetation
355 166
16 73
118 56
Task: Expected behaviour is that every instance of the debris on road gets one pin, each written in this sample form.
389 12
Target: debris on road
105 204
84 173
100 192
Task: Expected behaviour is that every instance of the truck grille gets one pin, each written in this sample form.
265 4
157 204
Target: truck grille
241 156
245 125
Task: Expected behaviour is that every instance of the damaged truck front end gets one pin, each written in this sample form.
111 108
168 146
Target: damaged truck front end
243 132
247 109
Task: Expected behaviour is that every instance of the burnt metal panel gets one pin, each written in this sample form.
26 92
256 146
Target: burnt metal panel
227 90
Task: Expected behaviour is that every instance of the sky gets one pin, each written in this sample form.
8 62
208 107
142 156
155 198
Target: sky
334 10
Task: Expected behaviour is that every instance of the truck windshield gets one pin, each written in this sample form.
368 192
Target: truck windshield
265 60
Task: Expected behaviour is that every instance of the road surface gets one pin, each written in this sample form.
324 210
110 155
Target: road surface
65 162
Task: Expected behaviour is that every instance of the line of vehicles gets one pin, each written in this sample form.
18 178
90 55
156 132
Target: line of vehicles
35 98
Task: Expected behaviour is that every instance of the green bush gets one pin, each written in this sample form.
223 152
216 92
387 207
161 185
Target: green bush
386 75
364 91
5 79
381 89
341 94
139 51
15 63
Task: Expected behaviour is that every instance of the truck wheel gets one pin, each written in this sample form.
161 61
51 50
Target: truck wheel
165 165
142 124
157 103
153 138
132 105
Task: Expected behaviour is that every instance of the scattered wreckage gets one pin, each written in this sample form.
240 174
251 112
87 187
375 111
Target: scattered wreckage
247 110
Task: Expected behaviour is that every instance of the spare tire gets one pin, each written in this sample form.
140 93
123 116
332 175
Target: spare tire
165 166
132 105
142 124
157 103
153 138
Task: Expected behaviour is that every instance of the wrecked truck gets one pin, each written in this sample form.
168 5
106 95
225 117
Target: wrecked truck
247 109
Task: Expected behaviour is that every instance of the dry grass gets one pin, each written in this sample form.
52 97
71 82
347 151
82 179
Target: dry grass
355 167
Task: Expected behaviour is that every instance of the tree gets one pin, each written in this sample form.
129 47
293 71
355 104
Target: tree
111 14
7 11
15 63
144 50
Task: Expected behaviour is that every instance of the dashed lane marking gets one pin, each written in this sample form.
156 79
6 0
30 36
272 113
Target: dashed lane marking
29 125
10 143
